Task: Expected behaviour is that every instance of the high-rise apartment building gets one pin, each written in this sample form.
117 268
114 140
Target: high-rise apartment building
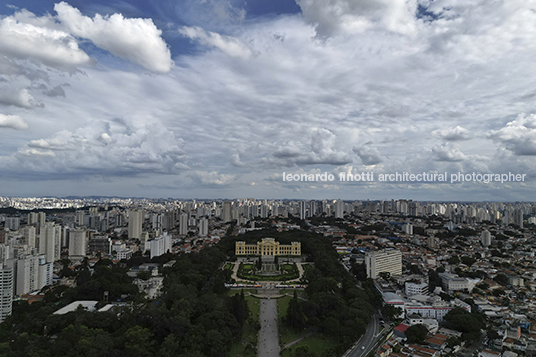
50 242
6 291
77 243
226 214
135 223
159 246
183 224
384 261
203 227
339 209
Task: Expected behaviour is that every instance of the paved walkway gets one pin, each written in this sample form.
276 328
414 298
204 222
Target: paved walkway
268 344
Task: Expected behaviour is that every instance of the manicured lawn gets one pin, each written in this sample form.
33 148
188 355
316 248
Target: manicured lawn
228 266
288 267
282 307
254 306
247 266
287 334
316 343
307 266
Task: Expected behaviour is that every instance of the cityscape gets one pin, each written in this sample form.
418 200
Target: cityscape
271 178
299 277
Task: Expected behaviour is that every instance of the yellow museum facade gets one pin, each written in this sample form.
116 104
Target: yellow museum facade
268 246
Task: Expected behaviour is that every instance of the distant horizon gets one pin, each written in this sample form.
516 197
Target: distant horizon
256 198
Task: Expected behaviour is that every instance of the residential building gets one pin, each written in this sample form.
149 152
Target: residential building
384 261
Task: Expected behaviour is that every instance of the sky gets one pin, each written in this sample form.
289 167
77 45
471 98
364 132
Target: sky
219 98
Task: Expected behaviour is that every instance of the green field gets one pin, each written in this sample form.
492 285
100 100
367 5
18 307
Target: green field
228 266
307 266
316 343
282 306
247 267
254 307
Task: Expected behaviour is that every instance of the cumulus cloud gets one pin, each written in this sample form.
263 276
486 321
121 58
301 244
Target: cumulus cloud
368 155
349 16
113 148
455 134
213 178
235 160
137 40
20 98
12 122
35 41
448 153
518 136
229 45
322 151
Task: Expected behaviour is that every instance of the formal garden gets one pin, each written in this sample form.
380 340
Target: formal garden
268 271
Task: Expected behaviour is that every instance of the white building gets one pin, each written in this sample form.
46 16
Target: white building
32 273
339 209
6 292
27 279
432 307
407 228
203 227
159 246
415 289
77 243
135 223
452 282
485 238
388 260
12 223
183 224
50 242
124 253
28 232
226 214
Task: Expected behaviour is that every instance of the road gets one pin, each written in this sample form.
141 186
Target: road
368 340
268 344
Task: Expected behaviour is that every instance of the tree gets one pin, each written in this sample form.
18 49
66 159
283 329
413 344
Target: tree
416 333
385 275
391 312
295 317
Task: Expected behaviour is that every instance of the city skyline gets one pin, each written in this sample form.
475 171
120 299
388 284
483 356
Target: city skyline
218 99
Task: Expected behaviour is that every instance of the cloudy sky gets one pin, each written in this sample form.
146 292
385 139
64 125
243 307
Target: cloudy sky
217 98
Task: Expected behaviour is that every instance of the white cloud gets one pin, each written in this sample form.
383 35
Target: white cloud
518 136
349 16
12 122
235 160
54 48
20 98
321 151
446 152
453 134
111 148
368 155
137 40
229 45
213 178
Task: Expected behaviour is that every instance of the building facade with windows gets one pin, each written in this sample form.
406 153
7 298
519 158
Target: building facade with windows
268 246
384 261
